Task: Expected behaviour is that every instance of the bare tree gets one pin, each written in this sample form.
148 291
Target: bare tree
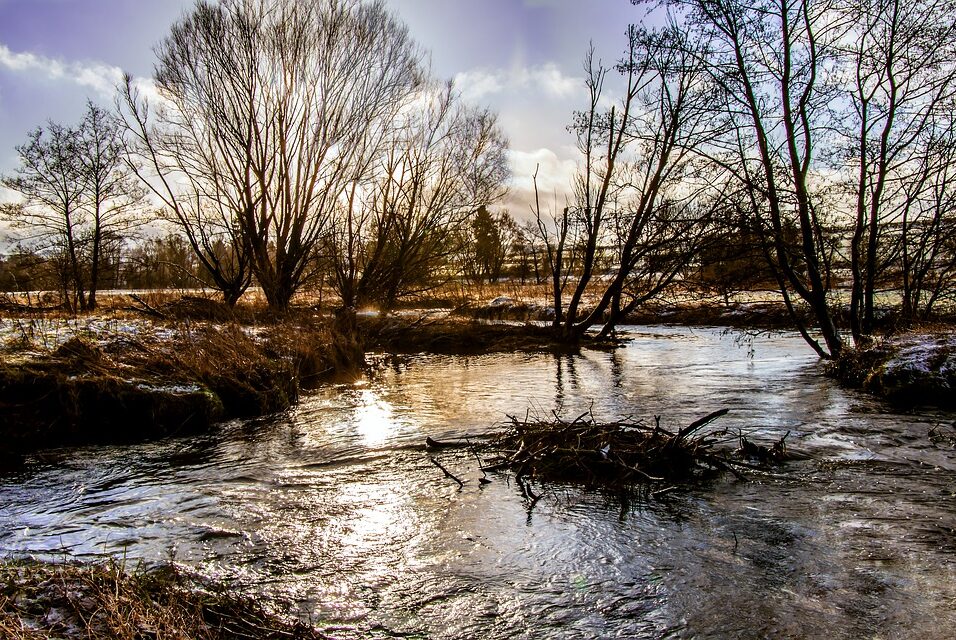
271 109
902 56
771 59
79 199
551 230
927 232
112 197
398 231
166 151
643 190
49 179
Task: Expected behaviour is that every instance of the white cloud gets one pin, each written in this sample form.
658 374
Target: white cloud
555 171
99 77
147 90
477 84
546 79
535 104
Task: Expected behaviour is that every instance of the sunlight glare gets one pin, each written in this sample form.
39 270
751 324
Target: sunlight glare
374 418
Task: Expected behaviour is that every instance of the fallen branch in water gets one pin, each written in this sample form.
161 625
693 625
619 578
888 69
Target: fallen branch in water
447 473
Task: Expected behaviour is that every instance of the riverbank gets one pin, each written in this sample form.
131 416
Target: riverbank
177 365
103 602
907 370
120 379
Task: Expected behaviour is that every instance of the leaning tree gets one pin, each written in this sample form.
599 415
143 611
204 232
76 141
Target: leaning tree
644 198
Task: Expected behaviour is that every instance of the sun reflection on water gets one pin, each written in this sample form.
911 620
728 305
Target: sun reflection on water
374 418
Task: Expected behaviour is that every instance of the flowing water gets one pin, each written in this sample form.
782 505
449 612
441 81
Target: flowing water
333 511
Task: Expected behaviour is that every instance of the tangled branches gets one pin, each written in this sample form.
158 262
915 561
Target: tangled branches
615 454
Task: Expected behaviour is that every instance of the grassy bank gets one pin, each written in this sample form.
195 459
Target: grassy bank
123 379
104 602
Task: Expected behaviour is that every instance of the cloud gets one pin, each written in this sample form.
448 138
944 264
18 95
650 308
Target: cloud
555 169
99 77
547 80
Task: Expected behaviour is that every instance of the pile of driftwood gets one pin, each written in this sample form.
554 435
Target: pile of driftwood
622 453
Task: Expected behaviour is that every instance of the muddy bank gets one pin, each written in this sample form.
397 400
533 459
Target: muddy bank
454 335
101 601
907 370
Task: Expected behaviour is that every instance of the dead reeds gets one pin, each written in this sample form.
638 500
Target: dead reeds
102 601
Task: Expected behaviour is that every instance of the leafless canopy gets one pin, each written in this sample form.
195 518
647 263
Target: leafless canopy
79 199
268 111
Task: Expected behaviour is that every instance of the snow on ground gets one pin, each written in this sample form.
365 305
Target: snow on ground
921 367
924 352
46 334
170 388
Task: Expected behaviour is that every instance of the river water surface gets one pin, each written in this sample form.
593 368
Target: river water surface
333 511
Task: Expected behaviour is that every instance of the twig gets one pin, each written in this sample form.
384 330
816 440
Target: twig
663 492
697 424
148 310
447 473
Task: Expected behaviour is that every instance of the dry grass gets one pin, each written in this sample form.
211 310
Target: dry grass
455 336
110 380
102 601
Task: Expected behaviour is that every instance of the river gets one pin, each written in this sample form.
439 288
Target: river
333 512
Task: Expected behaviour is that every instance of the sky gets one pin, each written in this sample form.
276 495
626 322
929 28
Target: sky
522 58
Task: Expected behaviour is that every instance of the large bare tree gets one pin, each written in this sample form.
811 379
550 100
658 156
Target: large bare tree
842 115
270 109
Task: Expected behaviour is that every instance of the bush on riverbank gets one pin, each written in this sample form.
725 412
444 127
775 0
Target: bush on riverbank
103 602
